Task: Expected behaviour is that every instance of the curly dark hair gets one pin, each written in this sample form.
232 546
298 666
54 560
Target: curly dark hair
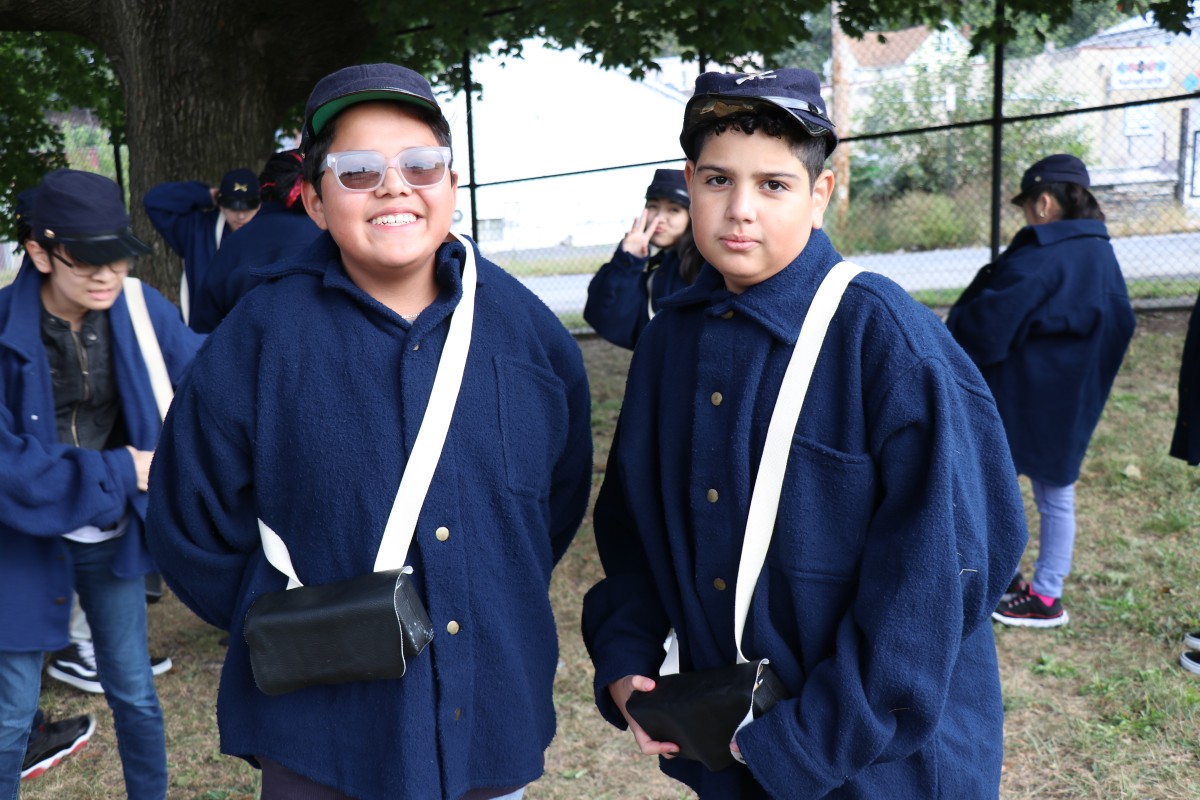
771 121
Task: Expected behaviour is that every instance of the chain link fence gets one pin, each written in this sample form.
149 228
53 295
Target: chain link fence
922 117
919 121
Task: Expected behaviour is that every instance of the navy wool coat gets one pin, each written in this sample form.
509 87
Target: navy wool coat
1186 442
183 213
1048 324
273 233
622 294
900 525
302 409
47 488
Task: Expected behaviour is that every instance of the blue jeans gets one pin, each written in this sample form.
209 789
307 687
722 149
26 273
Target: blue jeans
116 609
1056 507
20 681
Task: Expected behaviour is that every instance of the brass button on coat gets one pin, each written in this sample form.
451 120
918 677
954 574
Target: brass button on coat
712 495
716 398
728 314
442 533
719 584
452 627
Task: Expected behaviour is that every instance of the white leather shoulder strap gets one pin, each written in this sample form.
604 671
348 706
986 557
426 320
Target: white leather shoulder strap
427 450
143 329
764 502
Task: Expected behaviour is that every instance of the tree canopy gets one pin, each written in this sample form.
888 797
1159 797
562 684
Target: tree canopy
195 88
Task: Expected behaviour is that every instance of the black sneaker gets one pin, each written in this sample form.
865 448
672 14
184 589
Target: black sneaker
1027 611
54 741
1190 660
1016 586
75 665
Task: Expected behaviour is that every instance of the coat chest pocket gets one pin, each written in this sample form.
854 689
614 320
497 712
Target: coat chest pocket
533 424
825 508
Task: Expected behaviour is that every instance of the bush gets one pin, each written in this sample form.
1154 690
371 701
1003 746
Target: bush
921 221
912 221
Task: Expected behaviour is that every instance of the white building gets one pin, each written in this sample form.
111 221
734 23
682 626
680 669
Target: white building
550 113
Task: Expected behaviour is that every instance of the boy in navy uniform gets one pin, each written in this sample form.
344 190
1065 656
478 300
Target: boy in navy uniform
194 219
78 427
280 228
900 520
312 432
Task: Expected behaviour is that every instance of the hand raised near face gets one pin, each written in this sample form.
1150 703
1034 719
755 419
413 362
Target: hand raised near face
637 241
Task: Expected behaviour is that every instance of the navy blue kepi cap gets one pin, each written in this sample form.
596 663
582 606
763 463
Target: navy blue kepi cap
85 213
24 208
360 84
795 91
1058 168
669 184
238 190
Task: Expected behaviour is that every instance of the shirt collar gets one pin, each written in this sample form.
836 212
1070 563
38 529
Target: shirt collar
1054 232
779 303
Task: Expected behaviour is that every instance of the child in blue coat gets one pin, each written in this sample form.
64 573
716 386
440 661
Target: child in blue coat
624 294
193 218
1048 325
78 427
900 520
302 411
281 227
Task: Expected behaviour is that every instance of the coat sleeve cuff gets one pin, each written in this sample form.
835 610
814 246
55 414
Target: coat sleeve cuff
778 760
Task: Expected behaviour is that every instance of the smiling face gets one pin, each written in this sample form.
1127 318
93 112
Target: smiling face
753 208
672 221
388 237
70 293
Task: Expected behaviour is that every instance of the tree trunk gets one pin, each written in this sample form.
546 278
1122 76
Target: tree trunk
206 85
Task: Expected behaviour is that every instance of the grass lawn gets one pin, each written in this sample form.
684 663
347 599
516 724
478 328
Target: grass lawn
1098 709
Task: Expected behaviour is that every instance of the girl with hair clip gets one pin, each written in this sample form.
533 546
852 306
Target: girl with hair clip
280 229
624 293
1048 325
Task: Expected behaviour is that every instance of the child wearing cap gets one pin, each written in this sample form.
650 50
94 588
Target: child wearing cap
624 294
78 426
1048 325
193 218
899 521
302 411
280 228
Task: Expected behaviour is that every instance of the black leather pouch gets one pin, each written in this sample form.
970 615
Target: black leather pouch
361 629
700 711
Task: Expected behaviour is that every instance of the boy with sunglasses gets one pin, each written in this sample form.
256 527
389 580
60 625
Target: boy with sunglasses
78 426
899 522
303 410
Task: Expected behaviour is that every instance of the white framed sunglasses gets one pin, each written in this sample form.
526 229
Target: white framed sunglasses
364 170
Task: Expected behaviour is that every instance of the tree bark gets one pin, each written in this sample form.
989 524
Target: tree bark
206 85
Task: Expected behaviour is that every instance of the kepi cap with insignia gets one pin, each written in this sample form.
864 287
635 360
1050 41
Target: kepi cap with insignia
1058 168
795 91
85 213
669 184
239 190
